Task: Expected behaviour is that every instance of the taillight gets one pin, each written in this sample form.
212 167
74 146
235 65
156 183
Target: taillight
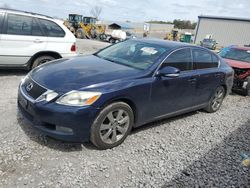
73 48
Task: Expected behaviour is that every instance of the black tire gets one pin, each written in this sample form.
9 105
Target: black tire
246 92
98 133
80 34
217 98
41 60
112 41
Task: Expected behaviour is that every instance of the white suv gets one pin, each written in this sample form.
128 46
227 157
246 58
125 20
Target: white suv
28 39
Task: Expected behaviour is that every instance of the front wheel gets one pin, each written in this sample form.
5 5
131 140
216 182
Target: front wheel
112 125
216 100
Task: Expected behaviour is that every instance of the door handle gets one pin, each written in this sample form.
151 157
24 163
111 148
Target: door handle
192 80
37 41
217 75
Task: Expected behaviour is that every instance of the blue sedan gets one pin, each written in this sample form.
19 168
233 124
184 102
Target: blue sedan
101 97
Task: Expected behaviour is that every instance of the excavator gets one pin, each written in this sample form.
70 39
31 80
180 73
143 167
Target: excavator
84 27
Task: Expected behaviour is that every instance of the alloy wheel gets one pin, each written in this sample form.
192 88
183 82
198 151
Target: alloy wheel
114 126
217 99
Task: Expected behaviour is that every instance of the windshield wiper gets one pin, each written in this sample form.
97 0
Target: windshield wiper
108 59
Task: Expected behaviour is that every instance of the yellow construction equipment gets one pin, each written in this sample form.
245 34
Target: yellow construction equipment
173 35
84 27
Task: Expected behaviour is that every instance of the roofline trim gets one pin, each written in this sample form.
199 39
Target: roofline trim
224 18
26 12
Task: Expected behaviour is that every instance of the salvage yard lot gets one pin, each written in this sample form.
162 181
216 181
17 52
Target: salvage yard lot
194 149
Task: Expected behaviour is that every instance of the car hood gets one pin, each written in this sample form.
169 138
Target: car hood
74 74
238 64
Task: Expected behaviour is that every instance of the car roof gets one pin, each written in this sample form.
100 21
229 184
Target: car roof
166 43
27 13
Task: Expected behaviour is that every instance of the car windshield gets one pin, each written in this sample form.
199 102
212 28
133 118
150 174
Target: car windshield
136 54
235 54
75 18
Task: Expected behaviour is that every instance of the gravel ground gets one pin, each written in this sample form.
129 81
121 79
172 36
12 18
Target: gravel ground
193 150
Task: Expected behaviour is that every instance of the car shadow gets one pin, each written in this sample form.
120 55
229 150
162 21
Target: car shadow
220 166
13 72
55 144
162 122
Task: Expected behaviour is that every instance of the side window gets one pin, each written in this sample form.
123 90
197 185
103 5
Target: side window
215 61
19 25
180 59
1 22
51 28
203 59
36 30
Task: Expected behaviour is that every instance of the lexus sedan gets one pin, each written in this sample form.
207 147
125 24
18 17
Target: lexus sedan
101 97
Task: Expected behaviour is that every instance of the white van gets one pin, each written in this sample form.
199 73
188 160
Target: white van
28 39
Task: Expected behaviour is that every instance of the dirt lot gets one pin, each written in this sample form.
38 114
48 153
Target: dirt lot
193 150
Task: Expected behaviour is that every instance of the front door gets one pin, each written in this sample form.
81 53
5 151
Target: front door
169 95
22 37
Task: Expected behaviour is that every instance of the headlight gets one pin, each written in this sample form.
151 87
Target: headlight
24 78
79 98
47 96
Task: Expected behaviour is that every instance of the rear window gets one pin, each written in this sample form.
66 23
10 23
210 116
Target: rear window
51 28
203 59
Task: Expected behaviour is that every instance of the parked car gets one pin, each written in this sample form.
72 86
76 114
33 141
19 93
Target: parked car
239 59
209 43
28 39
101 97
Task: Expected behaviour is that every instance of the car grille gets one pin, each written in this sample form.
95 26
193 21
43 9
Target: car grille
32 89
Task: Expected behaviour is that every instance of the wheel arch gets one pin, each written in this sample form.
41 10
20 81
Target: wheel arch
54 54
128 102
226 89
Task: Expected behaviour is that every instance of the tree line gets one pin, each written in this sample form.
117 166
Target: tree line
179 24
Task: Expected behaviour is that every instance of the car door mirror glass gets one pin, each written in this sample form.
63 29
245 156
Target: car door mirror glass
168 71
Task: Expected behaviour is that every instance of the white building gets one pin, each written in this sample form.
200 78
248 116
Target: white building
225 30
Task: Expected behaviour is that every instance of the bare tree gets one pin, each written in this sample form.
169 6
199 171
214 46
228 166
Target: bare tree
96 11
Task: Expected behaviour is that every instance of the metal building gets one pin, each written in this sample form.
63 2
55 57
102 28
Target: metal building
225 30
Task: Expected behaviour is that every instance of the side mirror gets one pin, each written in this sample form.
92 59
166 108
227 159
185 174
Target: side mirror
168 72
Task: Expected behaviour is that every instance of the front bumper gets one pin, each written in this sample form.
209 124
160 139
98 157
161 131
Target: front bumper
58 121
239 85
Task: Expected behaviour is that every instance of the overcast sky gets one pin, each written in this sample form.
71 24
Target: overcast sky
136 10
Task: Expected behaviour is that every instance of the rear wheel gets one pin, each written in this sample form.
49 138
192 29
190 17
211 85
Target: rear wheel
112 125
216 100
41 60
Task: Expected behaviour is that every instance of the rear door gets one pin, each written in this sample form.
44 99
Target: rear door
21 38
210 76
57 38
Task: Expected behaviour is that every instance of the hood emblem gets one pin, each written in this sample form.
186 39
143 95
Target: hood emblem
29 86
